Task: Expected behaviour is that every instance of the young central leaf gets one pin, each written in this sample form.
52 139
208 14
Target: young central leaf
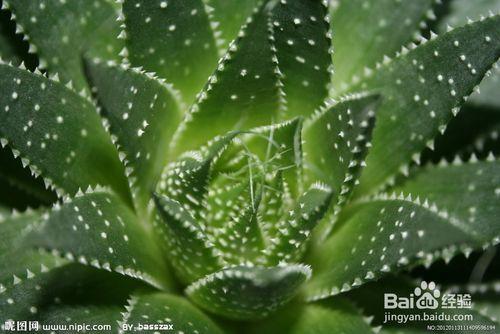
238 201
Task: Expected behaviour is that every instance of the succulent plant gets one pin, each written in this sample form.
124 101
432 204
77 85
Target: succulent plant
242 166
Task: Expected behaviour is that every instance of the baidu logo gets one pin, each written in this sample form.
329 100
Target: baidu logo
428 296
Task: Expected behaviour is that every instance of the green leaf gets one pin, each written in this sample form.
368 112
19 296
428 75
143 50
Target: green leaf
486 94
60 31
19 298
248 292
229 16
190 252
276 199
174 39
12 225
21 267
279 148
302 40
243 93
366 31
68 294
378 235
81 294
227 198
143 112
295 227
468 191
161 308
336 141
18 284
436 77
337 315
463 212
460 12
14 254
239 237
97 229
57 133
244 188
187 179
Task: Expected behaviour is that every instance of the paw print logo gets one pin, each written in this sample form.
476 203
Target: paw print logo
427 295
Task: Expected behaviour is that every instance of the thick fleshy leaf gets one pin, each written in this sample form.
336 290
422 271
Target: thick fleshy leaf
61 31
279 147
172 38
468 191
460 12
295 227
239 238
97 229
160 309
366 31
20 266
276 201
143 112
380 234
226 200
57 133
81 294
15 255
302 40
19 297
248 292
335 316
486 94
68 294
229 16
243 93
336 141
256 177
436 77
190 252
186 180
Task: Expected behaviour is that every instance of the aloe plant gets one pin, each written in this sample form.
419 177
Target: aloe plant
241 166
